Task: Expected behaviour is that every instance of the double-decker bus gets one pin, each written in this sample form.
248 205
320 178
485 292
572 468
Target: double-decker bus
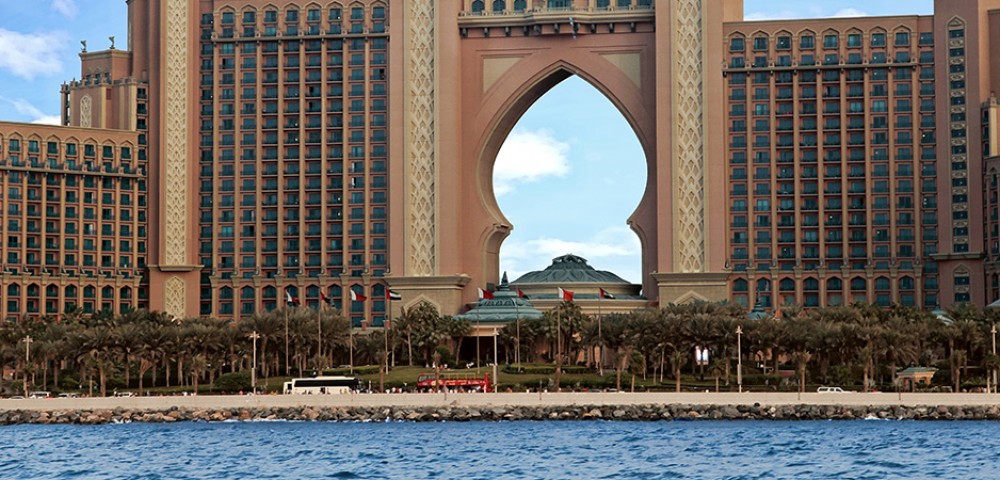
321 385
468 382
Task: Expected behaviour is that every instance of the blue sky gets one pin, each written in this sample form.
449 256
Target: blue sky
568 177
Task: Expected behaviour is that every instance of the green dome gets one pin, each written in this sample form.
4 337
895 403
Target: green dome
570 269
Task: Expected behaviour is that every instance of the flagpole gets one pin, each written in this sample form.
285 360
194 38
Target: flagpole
517 325
477 334
600 336
319 332
385 330
288 367
350 334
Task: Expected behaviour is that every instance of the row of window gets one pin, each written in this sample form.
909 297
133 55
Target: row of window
877 39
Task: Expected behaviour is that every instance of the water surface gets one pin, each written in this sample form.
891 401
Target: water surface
515 450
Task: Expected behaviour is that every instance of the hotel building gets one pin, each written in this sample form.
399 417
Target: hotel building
239 152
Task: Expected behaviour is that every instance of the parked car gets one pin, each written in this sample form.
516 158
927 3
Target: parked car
40 394
124 394
69 395
830 390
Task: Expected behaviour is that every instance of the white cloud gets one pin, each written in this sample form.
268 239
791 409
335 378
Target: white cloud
616 249
25 108
48 120
29 55
849 12
527 157
66 7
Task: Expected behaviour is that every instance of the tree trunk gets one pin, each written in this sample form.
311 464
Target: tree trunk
104 379
677 379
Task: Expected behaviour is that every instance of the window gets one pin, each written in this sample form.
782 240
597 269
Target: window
878 39
902 39
807 42
830 41
760 44
737 44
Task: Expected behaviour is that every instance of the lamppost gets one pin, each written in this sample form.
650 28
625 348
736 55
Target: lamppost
993 332
27 358
253 369
739 357
496 367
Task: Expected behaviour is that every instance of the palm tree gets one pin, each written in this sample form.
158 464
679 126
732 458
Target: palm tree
98 345
678 358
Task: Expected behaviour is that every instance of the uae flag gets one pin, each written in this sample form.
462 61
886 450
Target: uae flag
327 300
484 295
391 295
607 295
289 299
357 297
522 294
565 295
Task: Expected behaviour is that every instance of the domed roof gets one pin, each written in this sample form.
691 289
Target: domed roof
569 269
505 306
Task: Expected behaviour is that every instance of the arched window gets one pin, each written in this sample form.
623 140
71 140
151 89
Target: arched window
499 5
763 285
270 292
247 294
882 283
858 284
787 285
834 284
71 292
741 285
478 6
51 291
521 5
906 283
13 290
226 293
810 285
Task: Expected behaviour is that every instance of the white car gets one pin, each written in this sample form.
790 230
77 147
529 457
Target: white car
830 390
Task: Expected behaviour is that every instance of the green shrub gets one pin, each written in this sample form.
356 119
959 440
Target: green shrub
234 382
546 369
366 370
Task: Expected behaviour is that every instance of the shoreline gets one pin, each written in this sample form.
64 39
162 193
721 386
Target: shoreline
504 406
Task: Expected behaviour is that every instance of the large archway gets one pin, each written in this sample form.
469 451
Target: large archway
568 176
648 62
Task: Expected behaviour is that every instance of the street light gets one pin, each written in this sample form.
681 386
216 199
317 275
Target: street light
993 332
27 358
253 369
739 357
496 367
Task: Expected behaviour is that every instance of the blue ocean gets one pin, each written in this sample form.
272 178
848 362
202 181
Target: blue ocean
514 450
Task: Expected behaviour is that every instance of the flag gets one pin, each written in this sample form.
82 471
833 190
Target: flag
522 294
484 295
289 299
357 297
391 295
565 295
327 300
606 294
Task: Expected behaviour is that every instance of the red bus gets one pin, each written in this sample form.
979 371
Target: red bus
468 382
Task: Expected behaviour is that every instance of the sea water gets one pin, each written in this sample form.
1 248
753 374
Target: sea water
502 450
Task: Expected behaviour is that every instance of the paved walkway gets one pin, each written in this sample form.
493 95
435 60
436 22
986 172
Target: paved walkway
499 399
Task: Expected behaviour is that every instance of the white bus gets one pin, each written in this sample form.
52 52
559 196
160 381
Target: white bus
321 385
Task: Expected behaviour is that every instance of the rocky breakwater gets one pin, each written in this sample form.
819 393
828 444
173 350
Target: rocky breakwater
505 413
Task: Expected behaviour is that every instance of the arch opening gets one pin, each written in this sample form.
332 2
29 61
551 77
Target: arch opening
570 175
